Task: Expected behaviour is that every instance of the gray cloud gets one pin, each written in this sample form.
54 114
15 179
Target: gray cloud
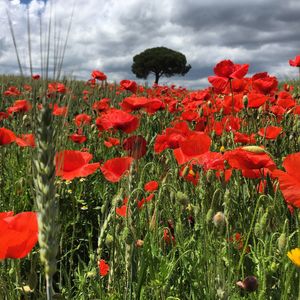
106 35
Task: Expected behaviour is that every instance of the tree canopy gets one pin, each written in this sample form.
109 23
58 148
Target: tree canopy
159 61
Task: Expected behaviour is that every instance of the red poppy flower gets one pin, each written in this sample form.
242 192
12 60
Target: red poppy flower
151 186
231 123
245 160
98 75
103 267
6 136
211 161
295 62
285 100
101 105
77 138
59 111
264 84
26 140
132 103
256 100
122 210
237 240
226 70
136 146
56 87
238 86
277 110
111 142
19 106
3 115
113 169
27 87
36 76
236 104
117 119
296 110
289 181
270 132
82 119
219 83
71 164
192 147
129 85
18 233
189 116
244 138
12 91
172 137
141 203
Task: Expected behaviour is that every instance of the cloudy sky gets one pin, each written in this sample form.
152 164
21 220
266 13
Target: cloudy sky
106 34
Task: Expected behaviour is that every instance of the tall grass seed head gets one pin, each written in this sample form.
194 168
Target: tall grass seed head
281 242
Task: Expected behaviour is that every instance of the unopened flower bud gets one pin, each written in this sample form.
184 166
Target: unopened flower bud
281 242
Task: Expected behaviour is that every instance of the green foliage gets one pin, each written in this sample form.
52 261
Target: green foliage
160 61
204 262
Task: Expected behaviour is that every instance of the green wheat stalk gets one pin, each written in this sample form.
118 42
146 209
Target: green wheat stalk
44 177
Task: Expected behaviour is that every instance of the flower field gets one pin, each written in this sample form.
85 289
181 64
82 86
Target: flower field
122 191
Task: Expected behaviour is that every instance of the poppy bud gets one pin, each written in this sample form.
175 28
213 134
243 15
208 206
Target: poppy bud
109 239
274 266
264 220
249 284
209 215
182 197
91 274
245 101
281 242
254 149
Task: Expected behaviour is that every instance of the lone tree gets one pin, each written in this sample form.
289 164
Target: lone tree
160 61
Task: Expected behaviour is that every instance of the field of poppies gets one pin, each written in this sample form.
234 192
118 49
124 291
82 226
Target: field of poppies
121 191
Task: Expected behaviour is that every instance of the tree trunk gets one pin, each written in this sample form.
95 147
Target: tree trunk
157 76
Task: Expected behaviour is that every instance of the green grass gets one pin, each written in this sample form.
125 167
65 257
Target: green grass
204 263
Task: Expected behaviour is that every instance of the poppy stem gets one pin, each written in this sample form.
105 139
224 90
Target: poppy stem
249 232
49 288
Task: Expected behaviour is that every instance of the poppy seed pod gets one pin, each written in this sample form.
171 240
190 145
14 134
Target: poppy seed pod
182 197
219 219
